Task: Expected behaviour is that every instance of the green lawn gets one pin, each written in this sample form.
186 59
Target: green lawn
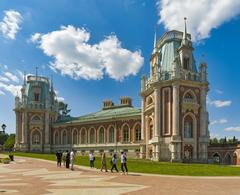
145 166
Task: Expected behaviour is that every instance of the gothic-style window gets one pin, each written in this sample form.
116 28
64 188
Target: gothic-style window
92 136
36 118
138 133
56 141
189 96
36 137
188 127
101 135
36 97
83 137
186 63
74 139
150 131
125 133
111 135
64 137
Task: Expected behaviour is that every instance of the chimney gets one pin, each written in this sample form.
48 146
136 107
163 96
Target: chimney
126 101
107 104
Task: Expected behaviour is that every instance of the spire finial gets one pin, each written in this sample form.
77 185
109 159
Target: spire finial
24 78
36 72
155 40
51 82
184 40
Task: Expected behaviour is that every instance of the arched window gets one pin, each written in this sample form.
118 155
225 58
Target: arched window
56 141
189 96
216 158
74 137
92 136
188 127
64 138
101 135
150 128
186 63
83 136
111 135
36 137
149 100
138 133
125 133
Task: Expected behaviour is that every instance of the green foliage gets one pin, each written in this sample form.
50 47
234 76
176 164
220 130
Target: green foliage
146 166
223 141
3 138
9 143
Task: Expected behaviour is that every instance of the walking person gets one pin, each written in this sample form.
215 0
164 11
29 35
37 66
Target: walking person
114 163
91 159
67 159
104 162
72 158
64 157
124 163
59 158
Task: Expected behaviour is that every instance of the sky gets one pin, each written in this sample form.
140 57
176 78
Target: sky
97 50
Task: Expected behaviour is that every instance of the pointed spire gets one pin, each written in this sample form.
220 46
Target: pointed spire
155 40
36 72
185 39
51 82
24 78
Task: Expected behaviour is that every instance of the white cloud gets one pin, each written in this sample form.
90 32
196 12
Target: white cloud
76 57
203 15
12 77
60 99
232 129
4 79
218 91
10 82
10 24
219 103
2 93
220 121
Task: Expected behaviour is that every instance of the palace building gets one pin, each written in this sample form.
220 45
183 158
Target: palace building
172 124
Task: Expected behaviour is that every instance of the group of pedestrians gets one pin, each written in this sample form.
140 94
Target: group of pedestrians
67 158
113 163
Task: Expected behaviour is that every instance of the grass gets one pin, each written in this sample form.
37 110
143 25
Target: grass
146 166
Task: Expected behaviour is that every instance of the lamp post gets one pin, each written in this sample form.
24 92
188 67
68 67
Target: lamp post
3 128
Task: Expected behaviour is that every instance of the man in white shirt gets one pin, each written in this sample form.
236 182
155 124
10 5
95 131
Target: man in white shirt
124 163
72 158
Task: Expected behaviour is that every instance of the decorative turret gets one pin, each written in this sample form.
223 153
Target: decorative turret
203 71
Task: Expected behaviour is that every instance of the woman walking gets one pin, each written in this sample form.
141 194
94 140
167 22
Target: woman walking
104 162
124 163
114 163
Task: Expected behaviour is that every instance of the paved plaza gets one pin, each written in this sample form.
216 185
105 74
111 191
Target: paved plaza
34 176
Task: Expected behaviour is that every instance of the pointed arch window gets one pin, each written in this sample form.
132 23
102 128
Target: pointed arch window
74 137
83 136
92 136
188 127
111 135
64 137
101 135
138 133
125 133
56 141
36 137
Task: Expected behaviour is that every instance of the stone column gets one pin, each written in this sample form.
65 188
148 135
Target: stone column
17 129
203 113
175 113
46 139
157 152
175 124
157 112
143 118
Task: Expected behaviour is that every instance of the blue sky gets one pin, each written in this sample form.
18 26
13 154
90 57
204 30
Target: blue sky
123 27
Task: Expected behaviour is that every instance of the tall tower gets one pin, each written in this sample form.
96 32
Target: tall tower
174 114
36 110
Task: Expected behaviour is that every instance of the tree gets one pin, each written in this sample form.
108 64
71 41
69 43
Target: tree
3 138
214 141
9 143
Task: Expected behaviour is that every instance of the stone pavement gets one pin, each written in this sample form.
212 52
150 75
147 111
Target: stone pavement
34 176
